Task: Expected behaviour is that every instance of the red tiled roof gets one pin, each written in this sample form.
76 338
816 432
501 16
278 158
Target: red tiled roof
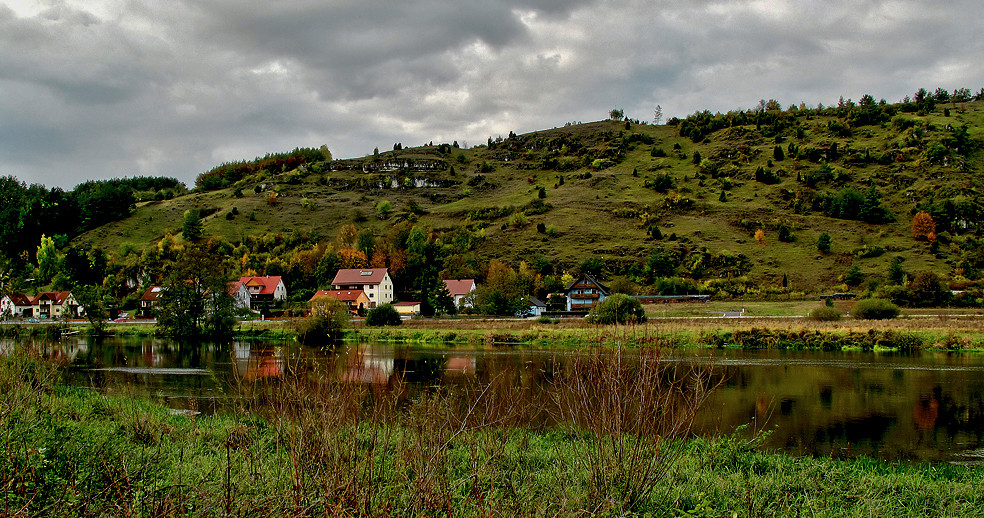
359 276
19 299
342 295
459 286
153 293
56 297
406 304
269 284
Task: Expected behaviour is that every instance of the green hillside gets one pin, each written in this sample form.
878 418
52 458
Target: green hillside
604 195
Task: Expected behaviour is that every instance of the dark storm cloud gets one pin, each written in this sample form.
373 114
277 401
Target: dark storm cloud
107 88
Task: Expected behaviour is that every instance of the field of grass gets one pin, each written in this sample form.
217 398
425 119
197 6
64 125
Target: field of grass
310 446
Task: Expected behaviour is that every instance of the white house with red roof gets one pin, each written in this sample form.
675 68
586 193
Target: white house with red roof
375 282
15 305
258 292
459 289
354 299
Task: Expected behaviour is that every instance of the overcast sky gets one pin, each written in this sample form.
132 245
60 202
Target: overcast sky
96 89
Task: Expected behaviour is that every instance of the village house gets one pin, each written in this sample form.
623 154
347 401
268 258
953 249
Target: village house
585 293
407 308
356 300
375 282
537 307
15 305
149 301
259 292
459 289
55 304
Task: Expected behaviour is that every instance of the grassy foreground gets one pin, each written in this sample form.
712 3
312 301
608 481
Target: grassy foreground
607 439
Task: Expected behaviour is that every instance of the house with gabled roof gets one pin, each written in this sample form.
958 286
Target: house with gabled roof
149 301
375 282
585 293
15 305
55 304
356 300
537 307
407 308
459 289
259 292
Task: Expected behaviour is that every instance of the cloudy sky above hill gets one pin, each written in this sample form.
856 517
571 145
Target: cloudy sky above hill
93 89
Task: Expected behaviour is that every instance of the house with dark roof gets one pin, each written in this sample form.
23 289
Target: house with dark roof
537 307
375 282
459 289
356 300
15 305
259 292
585 293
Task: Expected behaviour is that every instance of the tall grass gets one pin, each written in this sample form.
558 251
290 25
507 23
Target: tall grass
593 434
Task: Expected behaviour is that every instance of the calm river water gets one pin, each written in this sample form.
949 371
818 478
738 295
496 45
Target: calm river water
923 406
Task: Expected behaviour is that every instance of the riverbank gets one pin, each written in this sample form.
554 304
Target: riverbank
936 330
306 447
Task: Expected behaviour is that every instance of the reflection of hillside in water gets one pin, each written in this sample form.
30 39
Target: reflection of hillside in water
921 406
885 405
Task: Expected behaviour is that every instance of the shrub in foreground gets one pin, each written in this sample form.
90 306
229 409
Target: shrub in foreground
618 309
327 322
825 314
384 315
874 309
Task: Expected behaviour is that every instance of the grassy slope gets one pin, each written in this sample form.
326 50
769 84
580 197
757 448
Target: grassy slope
582 208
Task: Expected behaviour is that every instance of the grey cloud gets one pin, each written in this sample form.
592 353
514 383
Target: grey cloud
176 87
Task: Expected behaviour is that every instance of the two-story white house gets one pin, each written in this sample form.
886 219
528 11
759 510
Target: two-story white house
459 289
15 305
585 293
375 282
259 292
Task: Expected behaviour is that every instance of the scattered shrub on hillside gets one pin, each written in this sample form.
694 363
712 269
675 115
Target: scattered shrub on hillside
874 309
384 315
823 243
825 314
618 309
868 251
661 183
786 235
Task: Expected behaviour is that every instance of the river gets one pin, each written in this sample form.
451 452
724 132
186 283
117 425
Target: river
917 406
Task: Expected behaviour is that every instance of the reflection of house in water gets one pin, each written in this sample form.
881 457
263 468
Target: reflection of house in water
460 365
365 364
925 412
151 355
258 362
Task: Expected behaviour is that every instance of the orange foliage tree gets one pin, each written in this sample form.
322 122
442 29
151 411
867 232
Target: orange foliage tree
760 237
923 227
352 258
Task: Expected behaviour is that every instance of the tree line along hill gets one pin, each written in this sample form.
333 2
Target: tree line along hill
871 197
